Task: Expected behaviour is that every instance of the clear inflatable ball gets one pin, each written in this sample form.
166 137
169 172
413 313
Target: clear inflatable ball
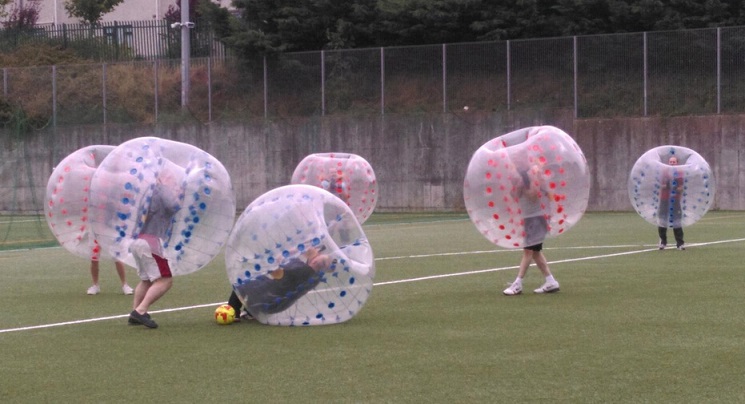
67 200
297 256
525 186
192 186
345 175
671 186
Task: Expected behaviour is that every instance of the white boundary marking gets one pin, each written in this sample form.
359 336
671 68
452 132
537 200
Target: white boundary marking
423 278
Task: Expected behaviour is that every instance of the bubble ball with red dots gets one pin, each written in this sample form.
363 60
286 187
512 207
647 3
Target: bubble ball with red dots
67 203
671 195
280 227
347 176
532 174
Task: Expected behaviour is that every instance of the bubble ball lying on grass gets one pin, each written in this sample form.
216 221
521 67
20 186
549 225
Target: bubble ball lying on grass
298 256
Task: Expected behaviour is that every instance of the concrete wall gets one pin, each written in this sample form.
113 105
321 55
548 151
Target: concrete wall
419 161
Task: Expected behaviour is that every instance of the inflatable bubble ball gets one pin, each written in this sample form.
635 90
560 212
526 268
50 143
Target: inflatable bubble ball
298 256
199 196
671 186
67 201
527 185
347 176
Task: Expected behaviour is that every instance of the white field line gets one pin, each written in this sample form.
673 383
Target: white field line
423 278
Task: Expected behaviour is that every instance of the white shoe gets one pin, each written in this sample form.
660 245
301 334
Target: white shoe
94 290
127 290
514 289
682 247
548 287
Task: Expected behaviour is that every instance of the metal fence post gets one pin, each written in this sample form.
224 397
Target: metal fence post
574 38
103 90
209 89
719 70
382 81
266 91
444 79
5 83
323 83
509 88
54 96
155 76
644 49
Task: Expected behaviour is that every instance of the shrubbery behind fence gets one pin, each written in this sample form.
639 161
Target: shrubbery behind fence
690 72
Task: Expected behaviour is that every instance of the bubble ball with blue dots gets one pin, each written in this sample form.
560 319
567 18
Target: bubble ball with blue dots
671 186
200 186
298 256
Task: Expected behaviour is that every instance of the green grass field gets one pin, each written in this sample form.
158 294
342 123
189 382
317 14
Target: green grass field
631 324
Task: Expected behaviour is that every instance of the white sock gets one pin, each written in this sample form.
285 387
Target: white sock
518 281
550 278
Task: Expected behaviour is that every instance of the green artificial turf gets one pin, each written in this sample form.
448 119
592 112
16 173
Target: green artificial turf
630 324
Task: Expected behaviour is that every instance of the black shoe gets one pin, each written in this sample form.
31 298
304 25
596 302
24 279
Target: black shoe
144 319
132 321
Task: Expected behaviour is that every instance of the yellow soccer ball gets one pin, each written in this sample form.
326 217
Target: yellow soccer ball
225 314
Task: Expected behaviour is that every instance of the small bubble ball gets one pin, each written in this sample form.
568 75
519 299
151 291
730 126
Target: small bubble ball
671 186
195 184
527 185
67 203
345 175
298 256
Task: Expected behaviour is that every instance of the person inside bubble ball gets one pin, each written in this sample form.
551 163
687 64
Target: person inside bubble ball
337 187
154 271
670 211
277 290
530 196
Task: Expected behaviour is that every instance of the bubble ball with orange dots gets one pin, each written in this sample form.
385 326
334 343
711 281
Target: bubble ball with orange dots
532 173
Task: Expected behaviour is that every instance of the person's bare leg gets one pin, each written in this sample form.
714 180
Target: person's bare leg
541 263
525 263
140 291
120 270
157 289
94 272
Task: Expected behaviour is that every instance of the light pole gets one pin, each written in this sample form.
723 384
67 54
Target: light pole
184 25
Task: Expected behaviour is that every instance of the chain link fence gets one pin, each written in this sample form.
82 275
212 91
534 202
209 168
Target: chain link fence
689 72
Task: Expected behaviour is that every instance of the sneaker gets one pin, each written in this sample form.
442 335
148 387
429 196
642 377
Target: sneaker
132 321
548 287
514 289
94 290
246 315
144 319
127 290
661 246
682 247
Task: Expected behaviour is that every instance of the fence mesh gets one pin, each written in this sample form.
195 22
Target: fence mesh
636 74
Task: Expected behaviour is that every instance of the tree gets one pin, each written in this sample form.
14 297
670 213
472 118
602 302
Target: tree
90 11
267 27
3 3
22 16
